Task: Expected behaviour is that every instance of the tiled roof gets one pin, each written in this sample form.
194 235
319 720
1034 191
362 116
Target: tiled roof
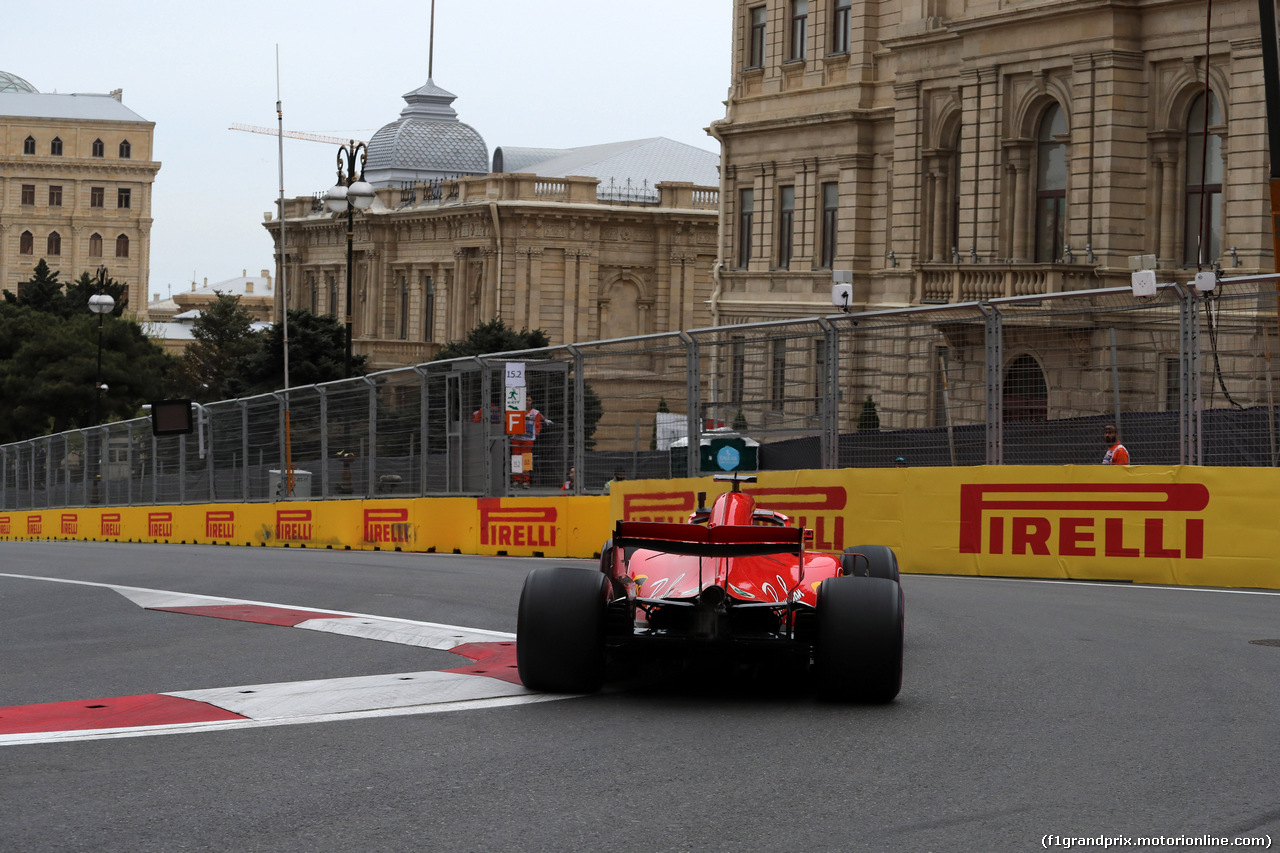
640 162
79 106
427 141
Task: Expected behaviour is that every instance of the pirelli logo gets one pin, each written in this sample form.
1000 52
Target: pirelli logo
389 526
35 525
516 526
1084 520
820 508
293 525
220 524
6 526
160 524
69 524
110 524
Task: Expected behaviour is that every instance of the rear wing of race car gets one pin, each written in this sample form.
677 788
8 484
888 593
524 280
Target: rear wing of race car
728 540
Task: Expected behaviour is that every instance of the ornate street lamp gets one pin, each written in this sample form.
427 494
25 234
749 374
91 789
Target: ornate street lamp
101 304
351 193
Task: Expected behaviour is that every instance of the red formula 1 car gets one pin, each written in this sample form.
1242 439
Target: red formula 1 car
735 582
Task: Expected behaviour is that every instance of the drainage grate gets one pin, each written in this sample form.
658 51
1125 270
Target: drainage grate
1264 642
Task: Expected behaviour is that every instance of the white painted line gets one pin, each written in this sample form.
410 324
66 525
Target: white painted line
230 725
352 695
433 635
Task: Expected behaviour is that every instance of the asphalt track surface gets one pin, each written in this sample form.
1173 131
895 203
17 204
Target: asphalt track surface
1028 709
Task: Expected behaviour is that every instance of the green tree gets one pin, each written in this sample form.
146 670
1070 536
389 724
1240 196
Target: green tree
49 364
214 366
491 337
317 348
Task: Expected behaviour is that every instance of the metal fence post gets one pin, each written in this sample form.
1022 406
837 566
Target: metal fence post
579 423
486 433
830 403
994 336
1189 381
323 394
693 418
424 412
371 488
244 449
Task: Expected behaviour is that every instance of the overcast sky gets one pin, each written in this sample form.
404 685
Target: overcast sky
553 73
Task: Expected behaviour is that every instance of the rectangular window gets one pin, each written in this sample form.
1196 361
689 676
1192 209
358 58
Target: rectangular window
404 310
737 369
746 218
786 225
97 197
124 197
830 218
28 193
841 23
799 28
778 375
55 196
429 310
755 58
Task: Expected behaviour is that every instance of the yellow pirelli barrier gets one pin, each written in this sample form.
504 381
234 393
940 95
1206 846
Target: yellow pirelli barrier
547 527
1148 524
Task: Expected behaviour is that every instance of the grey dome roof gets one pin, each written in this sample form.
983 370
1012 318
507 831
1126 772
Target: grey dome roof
14 83
426 142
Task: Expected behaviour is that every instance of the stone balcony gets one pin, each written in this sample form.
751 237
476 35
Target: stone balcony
967 282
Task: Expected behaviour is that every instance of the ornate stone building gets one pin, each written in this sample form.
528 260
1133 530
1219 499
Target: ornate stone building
584 243
75 187
947 151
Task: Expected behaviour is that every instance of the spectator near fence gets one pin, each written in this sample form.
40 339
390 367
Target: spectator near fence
1116 452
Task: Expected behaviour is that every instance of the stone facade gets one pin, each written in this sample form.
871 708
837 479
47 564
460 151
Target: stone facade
984 149
76 174
433 261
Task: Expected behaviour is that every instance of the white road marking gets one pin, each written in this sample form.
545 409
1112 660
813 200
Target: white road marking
325 700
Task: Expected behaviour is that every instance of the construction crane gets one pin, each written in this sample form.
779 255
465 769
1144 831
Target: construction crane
293 134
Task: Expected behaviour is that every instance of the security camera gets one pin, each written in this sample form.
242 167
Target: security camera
1206 281
842 296
1143 283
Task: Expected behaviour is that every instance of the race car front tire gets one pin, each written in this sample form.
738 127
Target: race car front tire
560 630
858 648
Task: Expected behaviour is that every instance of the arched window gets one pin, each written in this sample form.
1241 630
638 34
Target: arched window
1026 395
29 145
26 243
1202 217
54 244
125 150
95 245
122 246
55 147
99 150
1051 185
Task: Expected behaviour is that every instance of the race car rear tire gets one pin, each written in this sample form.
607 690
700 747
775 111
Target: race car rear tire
880 562
560 630
858 648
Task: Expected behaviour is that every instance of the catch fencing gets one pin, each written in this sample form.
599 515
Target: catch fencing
1027 380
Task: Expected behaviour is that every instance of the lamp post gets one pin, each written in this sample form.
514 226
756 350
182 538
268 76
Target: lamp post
350 194
101 304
